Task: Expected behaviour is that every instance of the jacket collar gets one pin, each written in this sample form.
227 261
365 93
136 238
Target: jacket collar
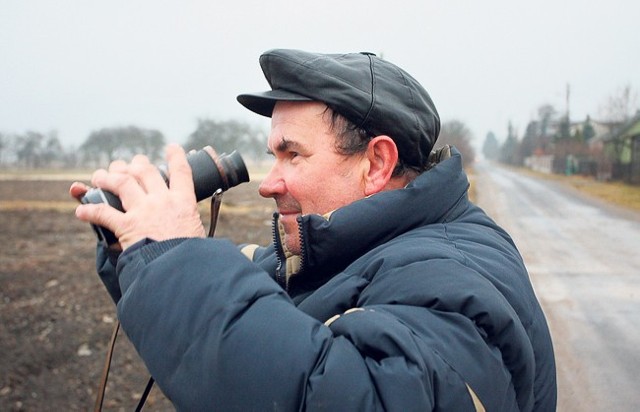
330 243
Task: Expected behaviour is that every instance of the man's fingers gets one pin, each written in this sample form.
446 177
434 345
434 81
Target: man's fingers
149 208
100 214
123 185
78 189
147 175
118 166
180 175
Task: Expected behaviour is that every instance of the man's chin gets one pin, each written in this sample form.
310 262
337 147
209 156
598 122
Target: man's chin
291 240
292 243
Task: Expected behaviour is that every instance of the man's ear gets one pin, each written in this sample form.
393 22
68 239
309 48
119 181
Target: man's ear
382 156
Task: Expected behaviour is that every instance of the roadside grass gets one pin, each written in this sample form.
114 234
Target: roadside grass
619 193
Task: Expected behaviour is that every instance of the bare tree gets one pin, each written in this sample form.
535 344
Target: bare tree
227 136
52 151
122 142
621 105
4 143
456 133
29 149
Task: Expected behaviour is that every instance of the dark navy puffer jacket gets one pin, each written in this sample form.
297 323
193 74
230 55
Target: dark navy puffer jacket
411 299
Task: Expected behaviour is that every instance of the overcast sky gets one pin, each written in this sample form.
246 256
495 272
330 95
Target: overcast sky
75 66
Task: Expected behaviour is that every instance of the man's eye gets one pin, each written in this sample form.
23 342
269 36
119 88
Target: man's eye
293 154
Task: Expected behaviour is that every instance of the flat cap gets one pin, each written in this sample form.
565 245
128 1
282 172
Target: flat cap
372 93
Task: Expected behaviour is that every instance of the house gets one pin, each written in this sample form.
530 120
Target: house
622 147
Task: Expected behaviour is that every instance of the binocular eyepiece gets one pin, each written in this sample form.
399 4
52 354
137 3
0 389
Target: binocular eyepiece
211 173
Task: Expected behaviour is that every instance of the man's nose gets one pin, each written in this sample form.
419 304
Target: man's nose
273 183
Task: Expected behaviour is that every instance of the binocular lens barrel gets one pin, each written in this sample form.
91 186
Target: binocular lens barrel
210 173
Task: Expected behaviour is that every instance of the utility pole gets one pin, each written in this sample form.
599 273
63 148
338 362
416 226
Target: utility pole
567 100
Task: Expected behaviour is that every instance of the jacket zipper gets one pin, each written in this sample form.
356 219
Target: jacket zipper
303 249
281 268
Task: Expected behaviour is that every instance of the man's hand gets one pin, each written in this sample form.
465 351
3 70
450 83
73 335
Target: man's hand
152 210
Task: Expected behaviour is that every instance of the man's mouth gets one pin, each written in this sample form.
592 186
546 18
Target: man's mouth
288 215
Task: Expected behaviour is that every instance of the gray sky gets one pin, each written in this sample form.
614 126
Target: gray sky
79 65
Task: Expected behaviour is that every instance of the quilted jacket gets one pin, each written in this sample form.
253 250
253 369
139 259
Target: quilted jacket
411 299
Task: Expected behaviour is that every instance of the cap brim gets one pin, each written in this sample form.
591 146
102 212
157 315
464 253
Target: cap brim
263 102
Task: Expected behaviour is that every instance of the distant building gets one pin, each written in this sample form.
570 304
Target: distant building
622 147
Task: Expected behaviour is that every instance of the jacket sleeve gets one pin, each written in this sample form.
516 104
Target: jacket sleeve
217 333
106 267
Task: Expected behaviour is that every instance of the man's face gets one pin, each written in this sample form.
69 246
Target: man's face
308 176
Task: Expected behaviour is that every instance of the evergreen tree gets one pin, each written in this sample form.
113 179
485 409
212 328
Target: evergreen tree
491 147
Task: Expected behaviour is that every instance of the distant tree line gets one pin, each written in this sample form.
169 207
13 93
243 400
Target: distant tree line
122 143
36 150
227 136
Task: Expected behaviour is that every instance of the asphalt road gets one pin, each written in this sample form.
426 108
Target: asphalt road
584 261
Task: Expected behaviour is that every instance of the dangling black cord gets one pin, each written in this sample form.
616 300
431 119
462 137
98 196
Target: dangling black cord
216 201
145 394
105 372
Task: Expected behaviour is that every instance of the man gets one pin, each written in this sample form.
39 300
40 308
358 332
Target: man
384 289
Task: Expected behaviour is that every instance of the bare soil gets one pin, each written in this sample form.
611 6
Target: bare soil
56 317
